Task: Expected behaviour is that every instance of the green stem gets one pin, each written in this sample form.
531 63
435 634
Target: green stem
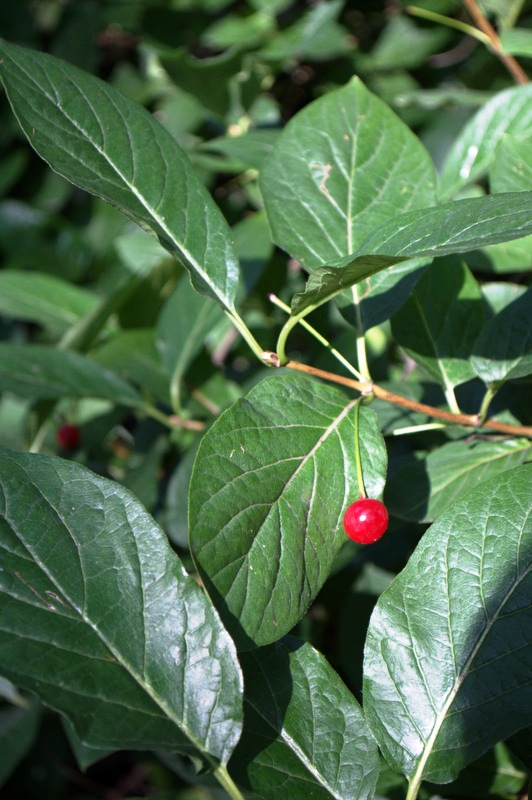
244 331
451 399
362 357
430 426
224 779
321 339
413 789
449 22
491 391
360 476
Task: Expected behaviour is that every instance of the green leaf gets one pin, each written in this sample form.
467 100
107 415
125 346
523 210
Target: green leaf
474 151
325 283
342 166
112 147
503 351
299 740
423 488
100 620
441 320
454 227
512 170
43 373
448 657
18 729
271 481
44 299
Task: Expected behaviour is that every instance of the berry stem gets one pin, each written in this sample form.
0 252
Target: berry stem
360 476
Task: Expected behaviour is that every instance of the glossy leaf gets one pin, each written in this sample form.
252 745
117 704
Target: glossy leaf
99 618
342 166
451 228
455 227
441 320
423 488
110 146
300 741
448 657
40 373
503 351
271 481
474 151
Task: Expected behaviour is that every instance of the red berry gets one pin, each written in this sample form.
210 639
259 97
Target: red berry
68 437
365 520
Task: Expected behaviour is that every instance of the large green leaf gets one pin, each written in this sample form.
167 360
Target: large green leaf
41 373
440 321
451 228
107 144
301 740
503 351
271 480
423 488
474 151
448 654
341 167
99 618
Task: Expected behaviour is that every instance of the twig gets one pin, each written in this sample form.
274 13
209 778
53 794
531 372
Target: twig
470 420
486 27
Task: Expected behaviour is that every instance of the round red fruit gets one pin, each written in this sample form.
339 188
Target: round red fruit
68 437
365 520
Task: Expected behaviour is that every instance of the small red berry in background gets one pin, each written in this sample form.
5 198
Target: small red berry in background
68 437
365 520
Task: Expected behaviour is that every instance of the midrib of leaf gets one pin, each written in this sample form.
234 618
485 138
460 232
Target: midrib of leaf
417 777
55 101
333 426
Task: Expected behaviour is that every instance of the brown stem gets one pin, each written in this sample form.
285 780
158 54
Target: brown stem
471 420
486 27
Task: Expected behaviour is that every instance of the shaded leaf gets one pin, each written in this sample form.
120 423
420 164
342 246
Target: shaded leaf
43 372
440 321
110 146
299 740
474 151
503 351
342 166
18 729
101 621
448 656
423 488
271 480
